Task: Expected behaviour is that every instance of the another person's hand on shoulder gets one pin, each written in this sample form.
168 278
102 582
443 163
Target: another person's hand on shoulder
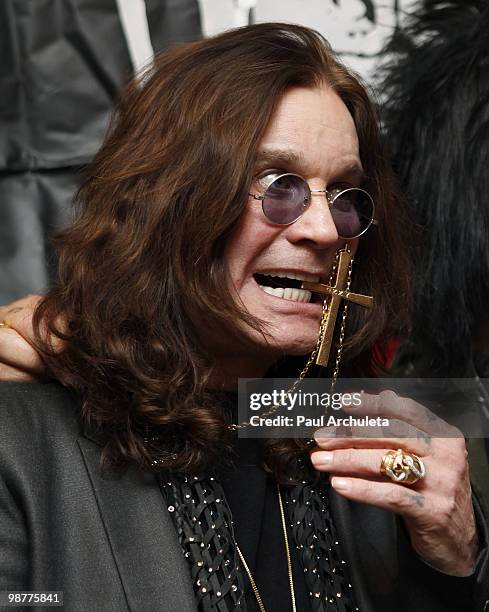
19 361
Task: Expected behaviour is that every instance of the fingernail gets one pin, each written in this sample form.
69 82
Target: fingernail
341 484
324 434
322 458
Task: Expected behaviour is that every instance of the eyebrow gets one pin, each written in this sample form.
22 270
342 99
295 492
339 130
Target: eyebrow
283 156
287 157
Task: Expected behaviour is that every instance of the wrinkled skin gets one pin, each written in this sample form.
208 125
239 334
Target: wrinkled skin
437 510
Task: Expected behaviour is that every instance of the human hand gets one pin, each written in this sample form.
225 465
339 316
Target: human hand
437 510
19 361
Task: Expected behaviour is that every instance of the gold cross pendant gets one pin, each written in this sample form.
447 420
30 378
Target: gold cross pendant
336 293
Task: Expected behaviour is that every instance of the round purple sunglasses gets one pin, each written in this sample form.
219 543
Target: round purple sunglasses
288 196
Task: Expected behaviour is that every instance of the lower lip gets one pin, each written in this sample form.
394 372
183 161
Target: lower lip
291 305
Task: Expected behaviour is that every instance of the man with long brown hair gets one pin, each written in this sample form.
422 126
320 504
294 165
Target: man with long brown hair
237 178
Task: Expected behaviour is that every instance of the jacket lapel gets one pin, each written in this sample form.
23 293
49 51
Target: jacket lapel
152 568
368 537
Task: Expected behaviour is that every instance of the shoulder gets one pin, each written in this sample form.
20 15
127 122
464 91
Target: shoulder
33 415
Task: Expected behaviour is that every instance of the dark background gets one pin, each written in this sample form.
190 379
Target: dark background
62 63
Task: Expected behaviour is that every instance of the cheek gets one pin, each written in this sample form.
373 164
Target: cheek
249 241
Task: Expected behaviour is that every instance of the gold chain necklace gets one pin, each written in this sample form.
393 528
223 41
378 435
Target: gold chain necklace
312 356
273 409
289 562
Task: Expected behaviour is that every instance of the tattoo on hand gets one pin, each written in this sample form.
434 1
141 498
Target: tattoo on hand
431 416
416 498
424 436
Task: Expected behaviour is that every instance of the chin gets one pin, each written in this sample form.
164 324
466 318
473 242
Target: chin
289 338
291 322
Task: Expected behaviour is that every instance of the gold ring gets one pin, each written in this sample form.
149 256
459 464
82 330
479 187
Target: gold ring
4 324
401 467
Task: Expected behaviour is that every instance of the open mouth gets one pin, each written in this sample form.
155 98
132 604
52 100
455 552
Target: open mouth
287 285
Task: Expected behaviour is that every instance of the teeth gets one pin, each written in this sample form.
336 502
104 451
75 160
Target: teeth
310 278
278 292
294 295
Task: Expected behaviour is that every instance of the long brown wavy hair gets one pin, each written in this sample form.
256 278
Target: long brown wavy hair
144 256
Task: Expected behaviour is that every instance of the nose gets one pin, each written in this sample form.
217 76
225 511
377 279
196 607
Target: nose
316 226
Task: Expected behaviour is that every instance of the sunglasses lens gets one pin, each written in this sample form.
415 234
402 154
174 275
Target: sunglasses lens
286 199
352 211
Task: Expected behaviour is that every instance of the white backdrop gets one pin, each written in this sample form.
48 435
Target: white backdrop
355 28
